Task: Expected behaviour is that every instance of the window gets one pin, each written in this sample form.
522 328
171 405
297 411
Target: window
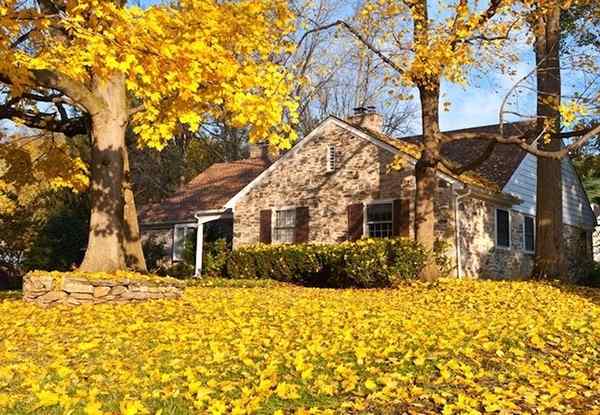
182 235
285 224
331 159
379 219
528 234
585 243
502 228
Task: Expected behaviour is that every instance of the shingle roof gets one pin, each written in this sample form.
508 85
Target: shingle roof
496 170
503 161
211 189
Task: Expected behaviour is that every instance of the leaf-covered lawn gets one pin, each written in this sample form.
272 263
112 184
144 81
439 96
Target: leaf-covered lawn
457 347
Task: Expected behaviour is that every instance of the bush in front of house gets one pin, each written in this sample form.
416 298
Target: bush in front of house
215 256
367 263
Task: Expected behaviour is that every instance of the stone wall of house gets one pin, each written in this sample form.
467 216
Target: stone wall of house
159 235
362 175
481 258
578 245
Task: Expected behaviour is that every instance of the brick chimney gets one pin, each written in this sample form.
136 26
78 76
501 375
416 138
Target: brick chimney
367 117
259 151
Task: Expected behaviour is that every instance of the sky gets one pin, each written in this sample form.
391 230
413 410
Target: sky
478 105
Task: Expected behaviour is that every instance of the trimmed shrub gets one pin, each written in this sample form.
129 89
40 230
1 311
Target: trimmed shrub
368 263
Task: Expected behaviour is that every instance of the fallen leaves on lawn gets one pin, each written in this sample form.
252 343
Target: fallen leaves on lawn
451 347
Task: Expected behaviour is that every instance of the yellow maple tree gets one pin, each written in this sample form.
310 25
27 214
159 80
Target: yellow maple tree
99 66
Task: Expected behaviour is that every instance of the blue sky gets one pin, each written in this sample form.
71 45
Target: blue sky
476 105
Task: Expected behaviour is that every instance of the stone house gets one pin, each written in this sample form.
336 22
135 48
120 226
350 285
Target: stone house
347 180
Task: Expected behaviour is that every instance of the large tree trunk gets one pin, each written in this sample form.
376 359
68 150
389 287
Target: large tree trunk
134 255
426 177
549 258
105 251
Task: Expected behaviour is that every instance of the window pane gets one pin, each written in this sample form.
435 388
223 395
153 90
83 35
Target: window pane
502 228
380 230
379 220
285 222
285 218
178 243
529 234
379 213
284 235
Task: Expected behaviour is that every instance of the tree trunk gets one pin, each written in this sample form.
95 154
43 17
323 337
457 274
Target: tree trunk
105 251
132 243
426 177
549 258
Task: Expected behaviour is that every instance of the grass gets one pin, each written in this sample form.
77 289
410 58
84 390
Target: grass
263 347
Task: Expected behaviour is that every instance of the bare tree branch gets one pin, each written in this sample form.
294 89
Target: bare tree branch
458 169
69 127
362 39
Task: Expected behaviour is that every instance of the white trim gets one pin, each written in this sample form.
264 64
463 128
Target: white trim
199 250
534 235
374 202
233 201
496 228
331 120
211 212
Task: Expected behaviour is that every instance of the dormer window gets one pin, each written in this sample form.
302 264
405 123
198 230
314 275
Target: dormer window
331 158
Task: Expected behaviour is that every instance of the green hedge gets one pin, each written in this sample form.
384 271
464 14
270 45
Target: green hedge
368 263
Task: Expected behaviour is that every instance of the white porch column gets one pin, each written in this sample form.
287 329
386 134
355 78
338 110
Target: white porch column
199 248
203 217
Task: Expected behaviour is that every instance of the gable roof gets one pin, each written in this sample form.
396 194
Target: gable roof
502 163
393 145
210 190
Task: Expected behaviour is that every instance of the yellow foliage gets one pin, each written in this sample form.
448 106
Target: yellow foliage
186 62
30 167
453 347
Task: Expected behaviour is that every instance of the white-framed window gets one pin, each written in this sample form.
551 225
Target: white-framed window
331 158
379 220
528 234
284 225
182 234
502 228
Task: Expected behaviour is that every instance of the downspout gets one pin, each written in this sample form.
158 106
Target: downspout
199 246
457 200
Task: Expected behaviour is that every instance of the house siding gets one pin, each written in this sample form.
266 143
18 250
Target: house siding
523 184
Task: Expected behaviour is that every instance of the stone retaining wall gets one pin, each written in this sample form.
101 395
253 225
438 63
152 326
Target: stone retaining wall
48 290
